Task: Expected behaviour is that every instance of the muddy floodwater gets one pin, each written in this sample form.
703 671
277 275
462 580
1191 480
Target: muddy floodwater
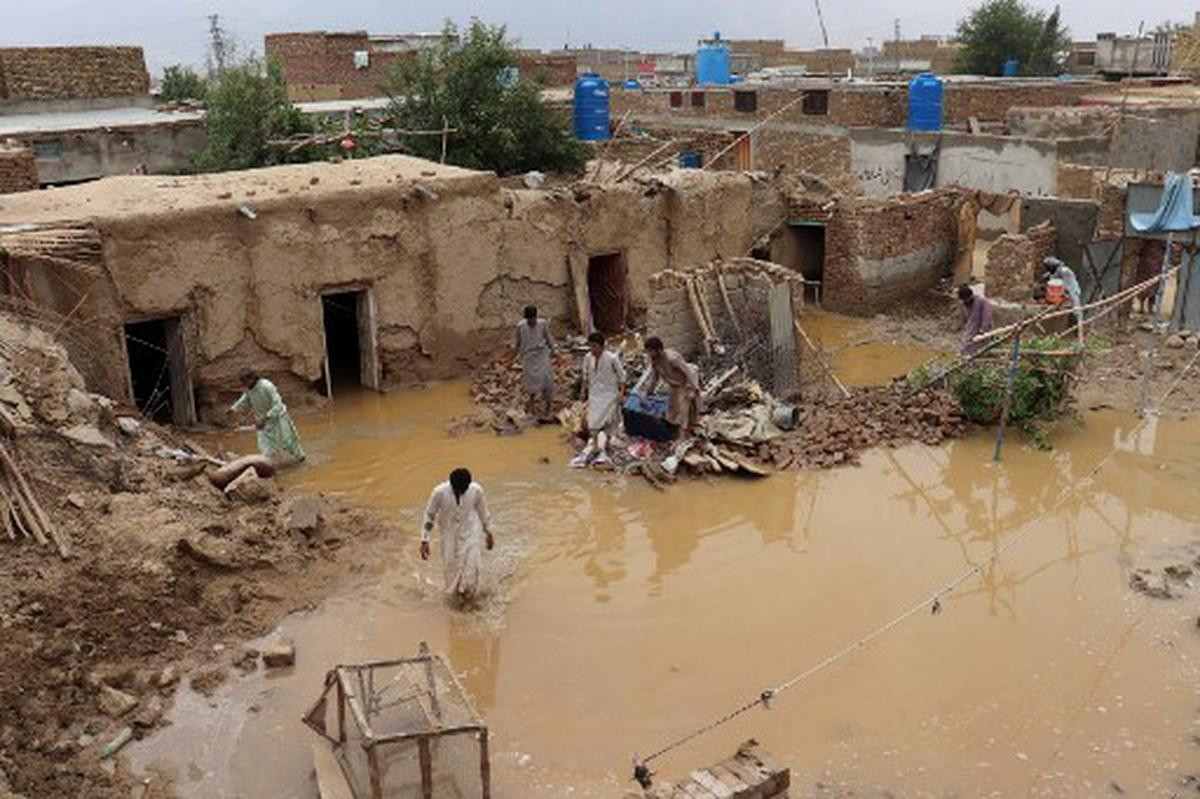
621 618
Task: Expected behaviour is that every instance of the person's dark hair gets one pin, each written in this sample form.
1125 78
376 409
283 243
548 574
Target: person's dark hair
531 312
965 292
654 343
248 376
460 481
596 338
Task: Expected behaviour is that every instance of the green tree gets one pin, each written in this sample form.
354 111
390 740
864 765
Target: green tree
181 83
500 121
999 30
246 107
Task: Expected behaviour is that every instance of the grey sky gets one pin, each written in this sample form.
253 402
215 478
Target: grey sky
175 30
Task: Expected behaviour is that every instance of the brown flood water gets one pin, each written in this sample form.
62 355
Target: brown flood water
861 358
622 617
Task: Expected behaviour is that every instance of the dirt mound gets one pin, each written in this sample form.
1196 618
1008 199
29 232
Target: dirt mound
164 567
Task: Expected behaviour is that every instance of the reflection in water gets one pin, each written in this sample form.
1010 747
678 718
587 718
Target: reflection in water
627 615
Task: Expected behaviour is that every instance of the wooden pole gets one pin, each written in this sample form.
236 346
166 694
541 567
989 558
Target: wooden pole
485 766
750 132
445 136
1014 359
423 651
821 361
627 172
377 778
426 758
737 325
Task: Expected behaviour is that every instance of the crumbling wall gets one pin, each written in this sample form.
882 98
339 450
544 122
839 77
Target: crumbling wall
826 156
70 73
1015 261
880 252
748 285
18 169
449 256
1074 223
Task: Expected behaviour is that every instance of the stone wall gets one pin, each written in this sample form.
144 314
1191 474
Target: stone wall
70 73
880 252
1015 262
18 169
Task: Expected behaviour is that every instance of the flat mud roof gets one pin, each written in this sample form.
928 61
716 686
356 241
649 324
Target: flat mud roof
142 195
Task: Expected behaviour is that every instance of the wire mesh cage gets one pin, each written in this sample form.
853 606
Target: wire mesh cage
404 728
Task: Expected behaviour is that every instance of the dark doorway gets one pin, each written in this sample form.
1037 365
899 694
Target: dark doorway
802 249
159 379
350 352
608 289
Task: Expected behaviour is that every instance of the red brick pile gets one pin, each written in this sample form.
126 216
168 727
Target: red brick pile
18 169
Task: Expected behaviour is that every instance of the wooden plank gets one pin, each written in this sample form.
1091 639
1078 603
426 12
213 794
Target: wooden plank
183 399
485 766
426 759
783 342
712 784
728 778
375 774
331 782
694 790
368 338
577 268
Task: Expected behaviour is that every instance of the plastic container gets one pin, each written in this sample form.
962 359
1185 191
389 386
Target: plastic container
591 108
785 417
1056 293
714 62
689 159
646 417
925 99
1010 68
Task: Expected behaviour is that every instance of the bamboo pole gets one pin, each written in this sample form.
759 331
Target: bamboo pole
627 172
737 325
1014 360
824 366
750 132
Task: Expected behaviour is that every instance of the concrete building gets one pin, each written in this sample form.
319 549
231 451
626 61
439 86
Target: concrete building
1120 56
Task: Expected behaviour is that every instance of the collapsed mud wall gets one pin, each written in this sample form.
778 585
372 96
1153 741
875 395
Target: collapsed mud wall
449 257
880 252
1015 262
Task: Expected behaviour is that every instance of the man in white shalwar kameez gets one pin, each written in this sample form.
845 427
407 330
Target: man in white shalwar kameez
460 510
604 388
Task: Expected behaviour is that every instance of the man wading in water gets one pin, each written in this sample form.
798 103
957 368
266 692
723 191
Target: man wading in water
460 510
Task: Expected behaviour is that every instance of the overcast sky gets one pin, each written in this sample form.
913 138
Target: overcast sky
174 31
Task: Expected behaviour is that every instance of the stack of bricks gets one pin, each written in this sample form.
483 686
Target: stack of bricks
1015 262
883 251
18 169
71 73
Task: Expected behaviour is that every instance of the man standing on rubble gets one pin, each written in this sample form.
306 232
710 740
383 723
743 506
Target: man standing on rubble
460 510
683 383
535 346
277 436
978 320
603 390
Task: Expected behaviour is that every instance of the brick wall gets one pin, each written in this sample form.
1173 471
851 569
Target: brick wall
18 169
320 65
992 103
881 251
552 69
1015 262
71 73
827 157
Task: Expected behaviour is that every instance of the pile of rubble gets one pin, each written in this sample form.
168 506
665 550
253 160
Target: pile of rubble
168 562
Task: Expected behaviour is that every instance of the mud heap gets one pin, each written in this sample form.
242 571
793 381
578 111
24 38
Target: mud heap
164 568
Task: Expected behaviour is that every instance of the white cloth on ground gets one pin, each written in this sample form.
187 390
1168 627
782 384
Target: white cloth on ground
603 377
462 523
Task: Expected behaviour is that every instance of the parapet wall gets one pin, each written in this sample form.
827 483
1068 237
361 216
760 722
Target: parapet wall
71 73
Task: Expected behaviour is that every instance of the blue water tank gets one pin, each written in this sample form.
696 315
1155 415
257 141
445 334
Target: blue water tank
591 108
714 63
1010 68
689 159
925 95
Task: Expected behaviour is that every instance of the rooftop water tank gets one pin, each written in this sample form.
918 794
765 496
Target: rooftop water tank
925 94
713 62
591 110
1010 67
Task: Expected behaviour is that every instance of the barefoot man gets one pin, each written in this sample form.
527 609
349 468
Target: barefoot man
535 346
460 510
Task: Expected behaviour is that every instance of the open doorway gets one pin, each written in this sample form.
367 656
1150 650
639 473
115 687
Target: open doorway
159 379
801 248
608 288
350 340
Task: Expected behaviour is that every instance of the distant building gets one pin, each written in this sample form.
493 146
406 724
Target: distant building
331 65
1081 60
37 78
1120 56
937 54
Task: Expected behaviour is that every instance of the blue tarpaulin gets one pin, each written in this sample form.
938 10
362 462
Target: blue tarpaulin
1175 211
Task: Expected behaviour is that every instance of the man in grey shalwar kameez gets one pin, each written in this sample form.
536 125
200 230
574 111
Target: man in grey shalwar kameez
535 346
